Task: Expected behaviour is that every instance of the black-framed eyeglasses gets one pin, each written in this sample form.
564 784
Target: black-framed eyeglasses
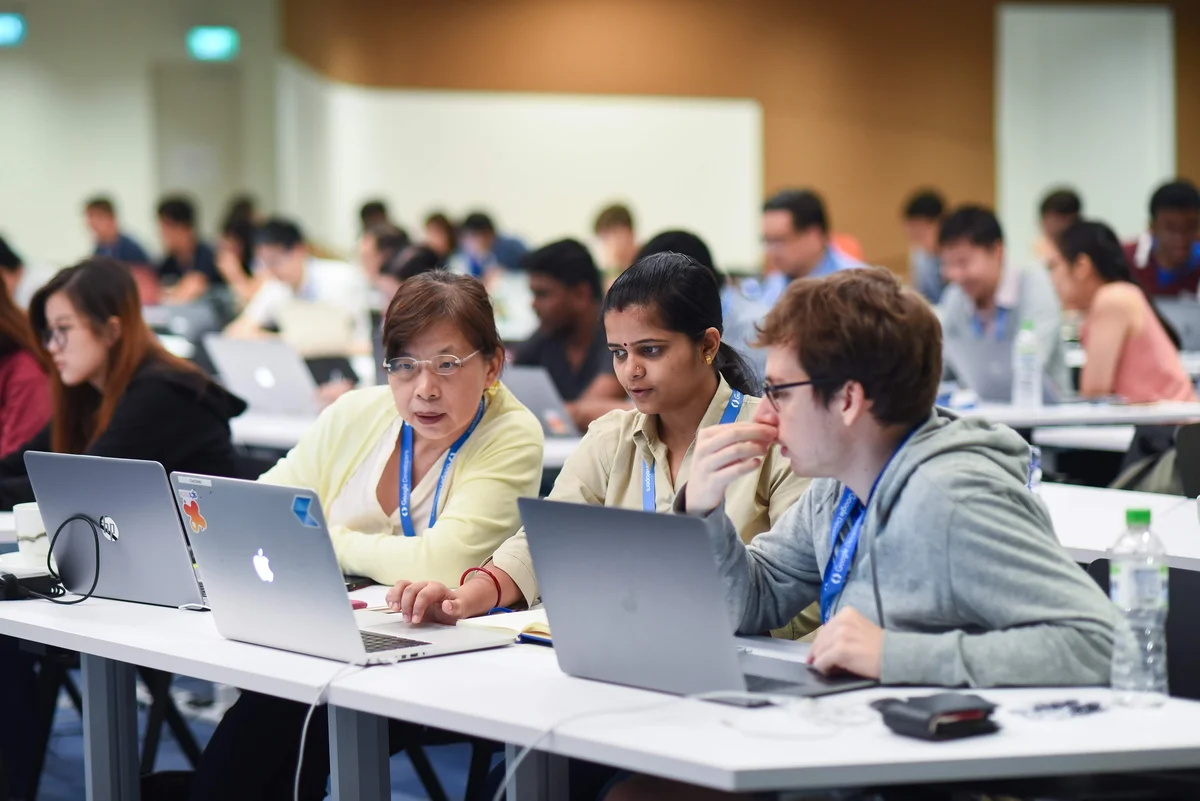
406 367
771 391
56 335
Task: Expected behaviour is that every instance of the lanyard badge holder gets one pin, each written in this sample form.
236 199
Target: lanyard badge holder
406 462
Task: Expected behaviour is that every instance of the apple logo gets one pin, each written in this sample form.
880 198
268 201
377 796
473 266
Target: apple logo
264 377
629 603
262 566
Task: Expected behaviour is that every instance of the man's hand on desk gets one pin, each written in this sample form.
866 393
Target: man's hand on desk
848 642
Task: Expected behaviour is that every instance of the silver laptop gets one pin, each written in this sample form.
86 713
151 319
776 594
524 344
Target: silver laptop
268 373
534 388
986 368
272 578
634 598
144 553
1184 316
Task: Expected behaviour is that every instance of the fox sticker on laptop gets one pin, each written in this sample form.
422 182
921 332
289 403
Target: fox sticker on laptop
191 510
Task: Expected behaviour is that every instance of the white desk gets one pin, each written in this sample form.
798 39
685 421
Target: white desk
1110 439
8 528
282 433
1087 414
1076 358
1089 520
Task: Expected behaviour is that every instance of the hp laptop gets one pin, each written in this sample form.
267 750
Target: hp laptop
534 388
272 578
634 598
144 553
268 374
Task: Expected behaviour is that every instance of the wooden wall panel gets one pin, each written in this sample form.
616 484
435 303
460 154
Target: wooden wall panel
863 99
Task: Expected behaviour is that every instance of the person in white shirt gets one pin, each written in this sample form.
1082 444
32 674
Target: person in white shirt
294 275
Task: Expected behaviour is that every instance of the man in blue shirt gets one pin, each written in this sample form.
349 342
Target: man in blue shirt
101 214
796 235
485 249
922 216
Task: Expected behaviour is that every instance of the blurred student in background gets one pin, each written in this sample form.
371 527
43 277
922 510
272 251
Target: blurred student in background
795 230
439 236
235 259
293 274
618 242
12 269
373 213
739 313
110 242
1166 259
569 342
242 208
922 217
988 301
378 245
189 267
1131 351
486 249
24 378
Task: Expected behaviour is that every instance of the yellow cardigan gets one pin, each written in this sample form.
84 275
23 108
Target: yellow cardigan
500 462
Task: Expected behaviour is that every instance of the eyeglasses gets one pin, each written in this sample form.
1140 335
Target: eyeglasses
772 390
406 367
56 335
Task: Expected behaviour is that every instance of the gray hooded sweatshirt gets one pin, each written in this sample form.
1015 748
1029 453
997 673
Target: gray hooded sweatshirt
974 585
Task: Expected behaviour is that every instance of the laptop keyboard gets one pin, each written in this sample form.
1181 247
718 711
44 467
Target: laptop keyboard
374 643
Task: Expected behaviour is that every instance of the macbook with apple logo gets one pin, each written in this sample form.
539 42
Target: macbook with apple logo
268 373
272 578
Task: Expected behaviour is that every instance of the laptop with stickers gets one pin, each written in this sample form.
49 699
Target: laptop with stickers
144 553
272 578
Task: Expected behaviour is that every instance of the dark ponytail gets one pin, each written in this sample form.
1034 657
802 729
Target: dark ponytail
1098 242
687 299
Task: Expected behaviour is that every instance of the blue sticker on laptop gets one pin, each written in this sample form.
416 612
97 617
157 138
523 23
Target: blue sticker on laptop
300 507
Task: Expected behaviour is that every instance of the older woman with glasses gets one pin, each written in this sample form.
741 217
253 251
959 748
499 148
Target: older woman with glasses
420 477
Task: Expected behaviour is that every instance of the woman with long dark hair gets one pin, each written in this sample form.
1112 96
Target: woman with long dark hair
1131 350
115 390
24 381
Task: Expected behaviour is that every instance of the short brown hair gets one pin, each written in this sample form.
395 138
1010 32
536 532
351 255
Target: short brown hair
862 325
426 299
614 216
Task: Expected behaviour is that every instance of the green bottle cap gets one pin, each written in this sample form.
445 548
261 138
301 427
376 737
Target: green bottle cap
1137 517
1027 325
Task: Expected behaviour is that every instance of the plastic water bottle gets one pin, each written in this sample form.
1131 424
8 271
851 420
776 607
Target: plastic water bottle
1138 586
1027 368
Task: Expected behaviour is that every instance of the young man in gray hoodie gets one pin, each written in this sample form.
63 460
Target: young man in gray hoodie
932 561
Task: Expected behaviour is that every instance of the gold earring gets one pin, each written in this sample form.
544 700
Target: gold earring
708 359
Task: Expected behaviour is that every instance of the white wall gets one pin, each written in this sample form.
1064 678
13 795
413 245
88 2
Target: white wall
79 116
542 164
1085 96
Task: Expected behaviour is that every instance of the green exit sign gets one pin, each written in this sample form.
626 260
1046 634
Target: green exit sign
213 43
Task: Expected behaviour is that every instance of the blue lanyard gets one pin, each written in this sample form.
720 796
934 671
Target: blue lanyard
406 460
1000 324
649 493
841 559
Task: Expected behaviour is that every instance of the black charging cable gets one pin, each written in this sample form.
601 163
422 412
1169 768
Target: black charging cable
56 598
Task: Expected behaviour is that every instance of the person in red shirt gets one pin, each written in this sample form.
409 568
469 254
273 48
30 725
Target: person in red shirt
24 383
1166 259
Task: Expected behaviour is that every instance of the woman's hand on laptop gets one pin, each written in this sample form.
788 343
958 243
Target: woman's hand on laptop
432 602
722 455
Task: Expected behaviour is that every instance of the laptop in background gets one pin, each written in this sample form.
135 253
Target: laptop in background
267 373
144 554
273 579
986 368
634 598
1184 316
534 388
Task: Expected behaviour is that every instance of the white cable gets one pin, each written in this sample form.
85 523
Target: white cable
320 699
511 769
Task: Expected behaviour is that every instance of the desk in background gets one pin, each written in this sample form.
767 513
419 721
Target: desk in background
1087 414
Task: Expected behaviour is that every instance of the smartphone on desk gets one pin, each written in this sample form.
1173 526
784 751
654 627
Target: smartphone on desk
357 582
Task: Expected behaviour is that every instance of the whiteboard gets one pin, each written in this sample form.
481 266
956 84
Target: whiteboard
1085 96
541 164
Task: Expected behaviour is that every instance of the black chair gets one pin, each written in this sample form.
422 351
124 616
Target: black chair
1187 459
1183 633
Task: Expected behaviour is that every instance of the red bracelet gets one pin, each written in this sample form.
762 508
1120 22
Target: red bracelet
462 580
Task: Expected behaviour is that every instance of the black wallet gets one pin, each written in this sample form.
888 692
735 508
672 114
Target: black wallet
945 716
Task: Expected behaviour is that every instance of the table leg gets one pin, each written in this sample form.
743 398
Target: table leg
358 756
539 777
110 737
